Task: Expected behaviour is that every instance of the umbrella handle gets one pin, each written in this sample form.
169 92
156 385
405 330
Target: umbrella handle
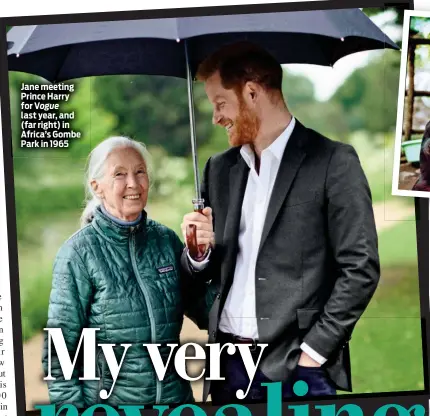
196 251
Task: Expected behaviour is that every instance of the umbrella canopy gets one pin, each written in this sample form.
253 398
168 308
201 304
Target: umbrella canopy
175 47
59 52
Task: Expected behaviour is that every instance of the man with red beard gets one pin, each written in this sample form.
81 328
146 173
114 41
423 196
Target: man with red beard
290 235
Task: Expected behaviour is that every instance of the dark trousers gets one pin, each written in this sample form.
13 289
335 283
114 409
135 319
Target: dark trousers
233 369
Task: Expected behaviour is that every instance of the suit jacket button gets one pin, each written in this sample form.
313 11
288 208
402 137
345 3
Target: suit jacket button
213 333
218 295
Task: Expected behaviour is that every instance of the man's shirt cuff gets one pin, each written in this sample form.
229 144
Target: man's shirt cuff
312 353
199 265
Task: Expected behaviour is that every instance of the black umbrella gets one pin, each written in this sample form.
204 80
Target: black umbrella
175 46
60 52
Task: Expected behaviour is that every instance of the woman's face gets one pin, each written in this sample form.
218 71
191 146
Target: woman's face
124 185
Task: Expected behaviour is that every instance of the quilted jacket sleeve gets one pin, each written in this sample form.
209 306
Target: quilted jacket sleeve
68 308
198 295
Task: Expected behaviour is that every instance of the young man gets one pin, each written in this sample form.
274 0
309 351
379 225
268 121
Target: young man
290 224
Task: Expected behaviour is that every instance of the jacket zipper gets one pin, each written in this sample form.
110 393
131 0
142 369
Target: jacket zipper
148 307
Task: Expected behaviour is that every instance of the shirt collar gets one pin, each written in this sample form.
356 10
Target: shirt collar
277 148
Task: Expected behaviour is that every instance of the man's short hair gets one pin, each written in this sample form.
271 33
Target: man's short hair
241 62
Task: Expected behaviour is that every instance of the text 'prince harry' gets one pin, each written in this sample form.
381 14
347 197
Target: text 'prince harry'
290 227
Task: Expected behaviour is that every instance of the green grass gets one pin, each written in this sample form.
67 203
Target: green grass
376 155
34 304
398 245
386 347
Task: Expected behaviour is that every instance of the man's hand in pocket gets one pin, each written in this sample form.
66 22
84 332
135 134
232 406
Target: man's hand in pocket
306 361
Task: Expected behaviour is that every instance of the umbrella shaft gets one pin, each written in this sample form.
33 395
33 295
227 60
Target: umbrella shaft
192 125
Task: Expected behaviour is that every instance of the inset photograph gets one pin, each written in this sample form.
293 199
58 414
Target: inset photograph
411 175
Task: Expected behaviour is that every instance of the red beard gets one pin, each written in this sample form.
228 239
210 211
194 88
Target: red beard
245 127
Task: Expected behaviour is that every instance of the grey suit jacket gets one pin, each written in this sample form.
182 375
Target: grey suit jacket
318 253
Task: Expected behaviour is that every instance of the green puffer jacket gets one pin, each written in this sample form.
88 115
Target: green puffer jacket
127 282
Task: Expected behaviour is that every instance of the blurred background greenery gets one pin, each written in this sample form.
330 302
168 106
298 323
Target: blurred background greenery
386 347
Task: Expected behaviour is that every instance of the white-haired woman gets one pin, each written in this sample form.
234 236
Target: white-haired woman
121 273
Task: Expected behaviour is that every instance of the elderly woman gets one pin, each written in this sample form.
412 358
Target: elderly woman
121 274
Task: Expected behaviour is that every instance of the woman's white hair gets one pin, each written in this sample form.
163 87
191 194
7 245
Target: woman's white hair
95 169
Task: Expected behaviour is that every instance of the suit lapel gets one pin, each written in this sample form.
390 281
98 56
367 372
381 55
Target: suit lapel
290 163
237 183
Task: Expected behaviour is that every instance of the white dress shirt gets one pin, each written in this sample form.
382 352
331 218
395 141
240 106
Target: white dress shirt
238 316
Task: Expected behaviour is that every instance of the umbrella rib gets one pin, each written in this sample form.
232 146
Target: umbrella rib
177 30
62 64
25 39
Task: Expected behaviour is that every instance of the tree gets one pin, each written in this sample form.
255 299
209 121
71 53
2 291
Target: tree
397 8
297 89
154 110
369 96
